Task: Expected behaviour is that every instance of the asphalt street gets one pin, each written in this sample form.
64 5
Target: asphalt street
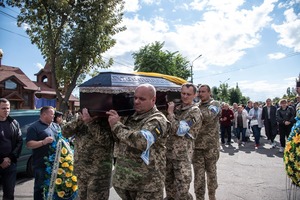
244 173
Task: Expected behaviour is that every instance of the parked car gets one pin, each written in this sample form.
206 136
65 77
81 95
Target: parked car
25 119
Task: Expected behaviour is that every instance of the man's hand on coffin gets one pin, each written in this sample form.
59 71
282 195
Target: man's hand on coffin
86 118
171 106
113 117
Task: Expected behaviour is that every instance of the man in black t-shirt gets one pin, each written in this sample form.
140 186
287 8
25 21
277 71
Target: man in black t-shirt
10 148
39 137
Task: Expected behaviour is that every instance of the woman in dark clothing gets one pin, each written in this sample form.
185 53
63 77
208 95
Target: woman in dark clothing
285 119
225 122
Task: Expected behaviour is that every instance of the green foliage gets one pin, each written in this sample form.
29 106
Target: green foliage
72 35
151 58
291 93
223 92
235 95
276 100
244 100
215 93
229 95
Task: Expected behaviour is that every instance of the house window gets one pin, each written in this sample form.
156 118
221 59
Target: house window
26 99
10 85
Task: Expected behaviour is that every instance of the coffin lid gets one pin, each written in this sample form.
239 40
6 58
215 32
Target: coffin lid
117 82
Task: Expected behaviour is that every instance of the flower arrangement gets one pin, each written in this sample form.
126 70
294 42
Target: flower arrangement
60 182
292 152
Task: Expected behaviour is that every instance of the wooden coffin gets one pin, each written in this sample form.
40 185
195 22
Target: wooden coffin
113 90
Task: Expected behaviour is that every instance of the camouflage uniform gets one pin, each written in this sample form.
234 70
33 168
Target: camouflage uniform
92 158
206 150
133 178
178 172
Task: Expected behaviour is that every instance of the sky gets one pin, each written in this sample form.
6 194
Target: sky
253 44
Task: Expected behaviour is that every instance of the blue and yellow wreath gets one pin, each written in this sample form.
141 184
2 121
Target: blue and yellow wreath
60 181
292 152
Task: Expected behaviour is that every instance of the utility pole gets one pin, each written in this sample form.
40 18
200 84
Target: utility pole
192 67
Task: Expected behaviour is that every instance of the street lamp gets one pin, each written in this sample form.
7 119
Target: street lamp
1 55
224 81
192 67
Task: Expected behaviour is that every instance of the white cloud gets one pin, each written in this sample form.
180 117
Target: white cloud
131 6
198 5
258 86
276 56
138 34
222 36
149 2
25 26
261 90
185 6
119 68
226 6
39 66
160 25
288 4
224 33
291 81
289 30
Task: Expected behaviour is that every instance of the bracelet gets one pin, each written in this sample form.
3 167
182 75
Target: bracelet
42 143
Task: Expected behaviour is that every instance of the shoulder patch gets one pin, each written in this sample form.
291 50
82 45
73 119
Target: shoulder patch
156 132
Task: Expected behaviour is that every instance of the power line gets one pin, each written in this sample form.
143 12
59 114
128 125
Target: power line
7 15
233 70
29 38
125 61
248 67
14 33
12 10
119 63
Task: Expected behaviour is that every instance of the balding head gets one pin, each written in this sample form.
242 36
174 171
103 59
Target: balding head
144 98
147 87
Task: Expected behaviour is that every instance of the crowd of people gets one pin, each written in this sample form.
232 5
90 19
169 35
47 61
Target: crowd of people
151 151
240 120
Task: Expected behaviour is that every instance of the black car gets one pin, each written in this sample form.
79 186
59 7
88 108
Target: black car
25 119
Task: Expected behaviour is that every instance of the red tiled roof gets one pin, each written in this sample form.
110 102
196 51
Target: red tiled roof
7 72
45 89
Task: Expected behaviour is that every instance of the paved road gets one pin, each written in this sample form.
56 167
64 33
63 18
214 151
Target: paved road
243 173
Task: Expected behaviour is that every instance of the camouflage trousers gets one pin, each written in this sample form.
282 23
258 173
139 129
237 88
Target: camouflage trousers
139 195
92 187
178 179
205 161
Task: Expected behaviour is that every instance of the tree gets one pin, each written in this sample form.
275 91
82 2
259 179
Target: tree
229 95
244 100
291 93
72 35
215 93
223 92
235 95
151 58
276 100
